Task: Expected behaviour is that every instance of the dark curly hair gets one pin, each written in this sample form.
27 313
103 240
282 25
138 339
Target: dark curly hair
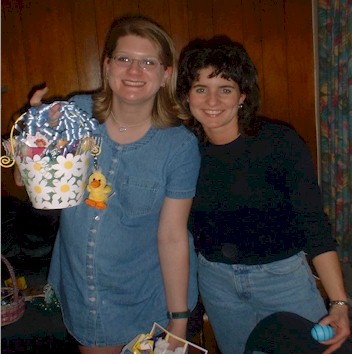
228 59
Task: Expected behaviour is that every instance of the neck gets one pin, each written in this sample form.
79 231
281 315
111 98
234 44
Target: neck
122 126
221 136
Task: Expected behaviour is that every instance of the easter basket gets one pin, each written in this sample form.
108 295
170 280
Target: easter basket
12 302
52 156
157 342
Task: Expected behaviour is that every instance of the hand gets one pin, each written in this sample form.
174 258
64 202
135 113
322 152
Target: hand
17 177
338 320
178 328
36 101
54 114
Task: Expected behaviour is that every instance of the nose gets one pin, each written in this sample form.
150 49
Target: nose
135 65
212 99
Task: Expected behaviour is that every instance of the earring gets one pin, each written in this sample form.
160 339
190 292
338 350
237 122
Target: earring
240 106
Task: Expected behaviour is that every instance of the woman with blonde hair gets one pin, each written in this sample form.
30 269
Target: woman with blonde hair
119 269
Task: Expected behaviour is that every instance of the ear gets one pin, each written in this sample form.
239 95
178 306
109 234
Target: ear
242 98
106 65
166 76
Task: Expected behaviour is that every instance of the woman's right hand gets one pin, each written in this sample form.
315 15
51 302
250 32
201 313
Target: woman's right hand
54 114
36 101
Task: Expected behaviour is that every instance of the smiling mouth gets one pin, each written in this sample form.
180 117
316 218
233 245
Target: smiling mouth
133 83
212 113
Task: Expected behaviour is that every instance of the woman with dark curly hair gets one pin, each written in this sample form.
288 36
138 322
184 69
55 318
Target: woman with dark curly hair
257 213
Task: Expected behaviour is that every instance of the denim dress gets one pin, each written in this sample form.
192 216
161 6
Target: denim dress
105 267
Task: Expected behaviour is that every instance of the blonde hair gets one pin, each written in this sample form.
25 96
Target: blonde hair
164 112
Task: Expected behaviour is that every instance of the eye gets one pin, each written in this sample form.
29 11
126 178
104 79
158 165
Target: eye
149 62
122 58
199 90
226 91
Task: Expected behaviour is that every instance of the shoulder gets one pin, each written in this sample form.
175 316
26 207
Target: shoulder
284 143
84 102
178 142
179 135
277 129
281 134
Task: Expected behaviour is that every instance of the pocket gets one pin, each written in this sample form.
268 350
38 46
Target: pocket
284 266
213 266
138 196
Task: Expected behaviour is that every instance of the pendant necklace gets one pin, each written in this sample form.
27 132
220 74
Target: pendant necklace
123 128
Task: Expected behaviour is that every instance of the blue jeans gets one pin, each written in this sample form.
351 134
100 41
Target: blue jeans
236 296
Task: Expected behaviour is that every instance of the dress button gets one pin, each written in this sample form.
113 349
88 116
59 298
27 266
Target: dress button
97 218
92 299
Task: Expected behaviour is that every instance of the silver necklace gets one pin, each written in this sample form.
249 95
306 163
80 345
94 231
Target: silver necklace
123 128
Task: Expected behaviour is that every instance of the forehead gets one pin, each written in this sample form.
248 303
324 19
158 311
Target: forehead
132 44
205 77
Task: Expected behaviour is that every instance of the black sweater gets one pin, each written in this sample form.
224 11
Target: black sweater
258 200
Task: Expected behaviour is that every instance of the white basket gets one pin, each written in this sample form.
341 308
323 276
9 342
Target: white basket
53 159
55 183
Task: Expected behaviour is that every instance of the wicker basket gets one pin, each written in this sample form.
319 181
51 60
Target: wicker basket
14 310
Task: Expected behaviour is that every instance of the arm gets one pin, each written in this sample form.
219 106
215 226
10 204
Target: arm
174 258
328 268
321 247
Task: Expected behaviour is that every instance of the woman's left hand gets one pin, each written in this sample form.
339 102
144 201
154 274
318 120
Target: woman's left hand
339 321
178 328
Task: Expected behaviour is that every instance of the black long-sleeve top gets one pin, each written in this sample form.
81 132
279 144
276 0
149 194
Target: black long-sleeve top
258 200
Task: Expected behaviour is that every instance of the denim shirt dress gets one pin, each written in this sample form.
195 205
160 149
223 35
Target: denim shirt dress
105 267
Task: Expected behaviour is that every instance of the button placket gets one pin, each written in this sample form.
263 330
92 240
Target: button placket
90 260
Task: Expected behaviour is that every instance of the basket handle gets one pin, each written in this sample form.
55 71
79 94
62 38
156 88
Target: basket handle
13 277
9 161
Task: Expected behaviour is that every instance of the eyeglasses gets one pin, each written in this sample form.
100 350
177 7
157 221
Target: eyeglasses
147 64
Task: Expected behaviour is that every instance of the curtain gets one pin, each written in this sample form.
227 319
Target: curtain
335 108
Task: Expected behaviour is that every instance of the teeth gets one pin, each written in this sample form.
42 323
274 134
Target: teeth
212 112
134 83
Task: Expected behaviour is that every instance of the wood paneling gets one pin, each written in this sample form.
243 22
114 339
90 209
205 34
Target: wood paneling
200 18
224 14
179 23
300 70
60 42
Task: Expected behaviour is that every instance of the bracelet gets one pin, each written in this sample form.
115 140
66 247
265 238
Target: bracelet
338 302
178 315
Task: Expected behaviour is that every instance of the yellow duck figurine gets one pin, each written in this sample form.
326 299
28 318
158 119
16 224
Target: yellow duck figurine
98 191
